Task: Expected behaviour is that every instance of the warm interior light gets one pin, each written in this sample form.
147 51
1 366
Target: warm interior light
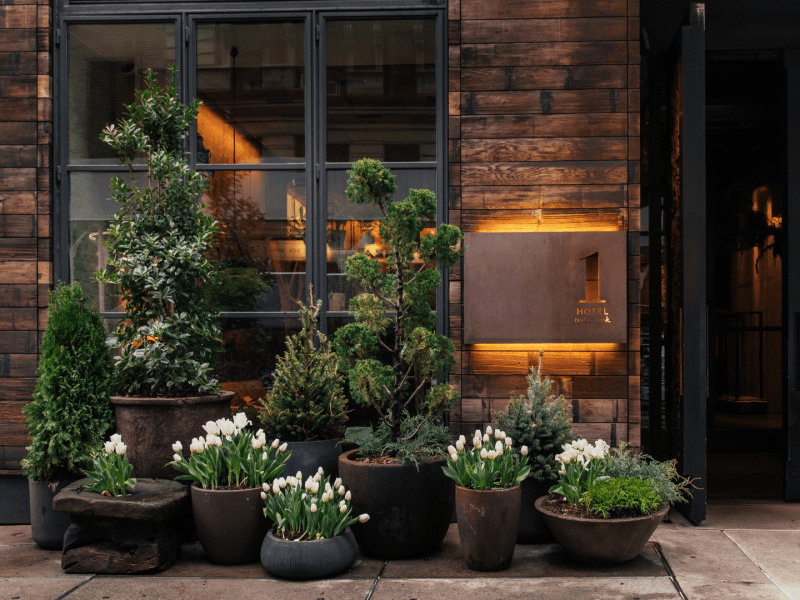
219 137
547 347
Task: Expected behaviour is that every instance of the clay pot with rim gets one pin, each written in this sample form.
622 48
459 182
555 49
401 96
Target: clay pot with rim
48 525
149 427
601 541
409 509
309 456
488 521
309 559
230 524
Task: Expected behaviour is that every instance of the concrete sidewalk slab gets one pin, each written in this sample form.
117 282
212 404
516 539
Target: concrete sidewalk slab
38 588
21 557
547 588
776 553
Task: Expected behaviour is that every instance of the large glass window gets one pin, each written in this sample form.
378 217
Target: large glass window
288 103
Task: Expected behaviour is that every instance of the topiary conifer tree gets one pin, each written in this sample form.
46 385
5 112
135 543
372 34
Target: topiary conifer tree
403 289
70 413
307 402
541 421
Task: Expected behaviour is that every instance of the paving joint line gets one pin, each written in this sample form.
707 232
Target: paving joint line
668 569
747 554
377 579
80 585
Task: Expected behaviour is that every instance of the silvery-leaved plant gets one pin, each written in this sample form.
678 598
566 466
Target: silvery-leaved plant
486 466
230 456
582 464
314 510
112 471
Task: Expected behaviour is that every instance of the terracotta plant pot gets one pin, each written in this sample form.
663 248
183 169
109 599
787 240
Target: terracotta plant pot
409 509
149 427
230 524
488 521
532 528
309 559
601 541
310 456
48 526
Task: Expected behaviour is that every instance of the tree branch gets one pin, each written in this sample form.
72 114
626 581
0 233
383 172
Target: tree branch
416 431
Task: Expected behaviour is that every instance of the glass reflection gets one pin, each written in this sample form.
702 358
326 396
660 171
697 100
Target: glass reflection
107 63
251 79
381 90
260 244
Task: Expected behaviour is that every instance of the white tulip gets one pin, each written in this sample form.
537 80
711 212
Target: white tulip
524 451
313 508
109 447
177 446
454 458
462 439
348 496
283 447
240 420
477 444
229 438
488 430
328 486
363 518
276 489
498 446
121 448
116 439
211 427
263 496
459 446
341 490
487 439
265 486
227 427
338 483
315 487
491 454
451 449
276 443
282 482
259 433
218 441
508 442
299 476
176 457
211 439
484 453
324 497
317 477
309 483
303 497
342 509
264 456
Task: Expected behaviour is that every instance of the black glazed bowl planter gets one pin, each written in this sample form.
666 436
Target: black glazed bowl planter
409 509
308 559
601 541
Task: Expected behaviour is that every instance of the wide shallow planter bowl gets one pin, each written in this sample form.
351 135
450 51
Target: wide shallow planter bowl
488 521
309 559
149 427
310 456
409 509
48 526
601 541
230 524
532 528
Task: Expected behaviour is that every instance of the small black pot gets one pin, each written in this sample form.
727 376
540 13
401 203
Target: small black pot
409 507
532 528
309 559
310 456
48 526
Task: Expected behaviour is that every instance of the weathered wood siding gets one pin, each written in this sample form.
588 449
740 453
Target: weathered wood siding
544 136
25 210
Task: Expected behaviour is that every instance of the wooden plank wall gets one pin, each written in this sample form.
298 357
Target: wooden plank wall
25 210
544 136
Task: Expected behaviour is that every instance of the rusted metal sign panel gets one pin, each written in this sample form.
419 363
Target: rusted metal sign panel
566 287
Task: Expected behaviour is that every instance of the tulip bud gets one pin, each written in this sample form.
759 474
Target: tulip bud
509 442
498 446
109 447
342 509
116 439
459 446
299 476
177 446
363 518
454 458
462 439
327 486
487 439
282 482
337 483
341 490
176 457
488 430
264 456
484 454
276 443
283 447
524 451
348 496
121 448
263 496
265 486
491 454
276 489
451 449
315 487
313 508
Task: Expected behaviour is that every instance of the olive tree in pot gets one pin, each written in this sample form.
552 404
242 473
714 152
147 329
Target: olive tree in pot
543 423
396 474
69 415
158 242
306 407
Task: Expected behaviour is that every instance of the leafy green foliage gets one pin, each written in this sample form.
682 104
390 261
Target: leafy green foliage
420 440
403 289
541 422
70 413
488 468
307 402
581 466
235 288
158 242
112 470
621 495
663 477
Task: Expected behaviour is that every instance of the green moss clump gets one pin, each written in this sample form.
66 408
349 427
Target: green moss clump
70 413
621 496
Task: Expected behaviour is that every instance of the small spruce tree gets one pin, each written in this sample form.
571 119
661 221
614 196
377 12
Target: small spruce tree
403 289
541 421
70 414
307 402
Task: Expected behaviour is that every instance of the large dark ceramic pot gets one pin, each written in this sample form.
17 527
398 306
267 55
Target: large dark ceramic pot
409 508
149 427
601 541
48 526
532 528
308 559
488 521
230 524
310 456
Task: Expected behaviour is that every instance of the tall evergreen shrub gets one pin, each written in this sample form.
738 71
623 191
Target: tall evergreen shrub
70 413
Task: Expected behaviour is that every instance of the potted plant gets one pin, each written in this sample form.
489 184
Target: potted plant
69 415
606 506
158 242
317 514
543 423
119 524
228 469
488 497
396 475
306 407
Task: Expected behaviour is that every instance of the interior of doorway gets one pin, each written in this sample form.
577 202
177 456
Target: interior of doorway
744 168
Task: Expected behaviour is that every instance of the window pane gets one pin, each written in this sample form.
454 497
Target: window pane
90 211
353 228
261 240
251 79
381 90
107 63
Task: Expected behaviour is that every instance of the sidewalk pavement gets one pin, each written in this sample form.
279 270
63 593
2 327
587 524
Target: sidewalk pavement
744 550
